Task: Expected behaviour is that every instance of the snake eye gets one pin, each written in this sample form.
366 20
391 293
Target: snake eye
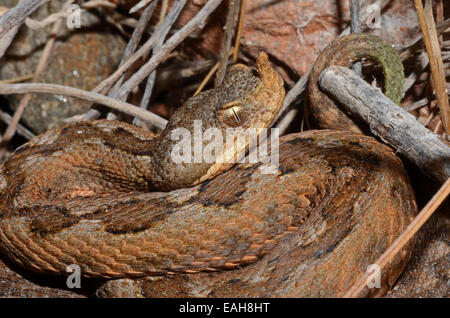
232 114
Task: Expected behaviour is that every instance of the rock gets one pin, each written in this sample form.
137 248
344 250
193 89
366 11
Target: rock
13 284
293 32
81 58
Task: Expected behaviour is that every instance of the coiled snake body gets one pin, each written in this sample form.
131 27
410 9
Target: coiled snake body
108 197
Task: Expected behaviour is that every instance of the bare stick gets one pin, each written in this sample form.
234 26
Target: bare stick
355 26
440 15
6 40
131 48
436 65
17 79
144 50
8 37
138 32
239 30
166 25
404 238
43 61
233 11
388 121
294 92
21 130
139 5
416 105
355 22
132 45
18 14
163 11
108 82
285 122
134 42
169 45
208 77
418 44
85 95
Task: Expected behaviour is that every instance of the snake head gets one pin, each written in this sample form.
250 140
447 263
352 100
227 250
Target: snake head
244 100
251 111
251 101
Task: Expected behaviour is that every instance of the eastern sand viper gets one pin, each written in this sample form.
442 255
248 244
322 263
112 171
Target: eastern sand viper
106 196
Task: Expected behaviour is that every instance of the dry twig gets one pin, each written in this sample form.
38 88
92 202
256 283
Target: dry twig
197 21
163 12
136 37
21 130
165 28
208 76
388 121
8 37
9 133
139 5
434 54
233 11
15 16
237 43
17 79
85 95
355 26
177 38
419 43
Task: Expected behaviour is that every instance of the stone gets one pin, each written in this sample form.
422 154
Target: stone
81 58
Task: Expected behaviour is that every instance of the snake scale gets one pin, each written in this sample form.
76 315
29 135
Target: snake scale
105 195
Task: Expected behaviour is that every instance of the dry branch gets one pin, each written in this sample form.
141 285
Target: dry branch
6 40
129 57
21 130
233 11
11 20
85 95
436 65
164 28
139 5
196 22
157 58
388 121
418 44
18 14
43 61
166 25
355 26
239 30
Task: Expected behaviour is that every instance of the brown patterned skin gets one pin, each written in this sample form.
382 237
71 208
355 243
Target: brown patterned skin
344 51
84 194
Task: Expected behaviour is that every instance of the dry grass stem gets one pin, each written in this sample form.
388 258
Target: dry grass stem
237 43
233 12
85 95
434 54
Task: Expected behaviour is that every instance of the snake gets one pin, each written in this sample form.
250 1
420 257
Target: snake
108 196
